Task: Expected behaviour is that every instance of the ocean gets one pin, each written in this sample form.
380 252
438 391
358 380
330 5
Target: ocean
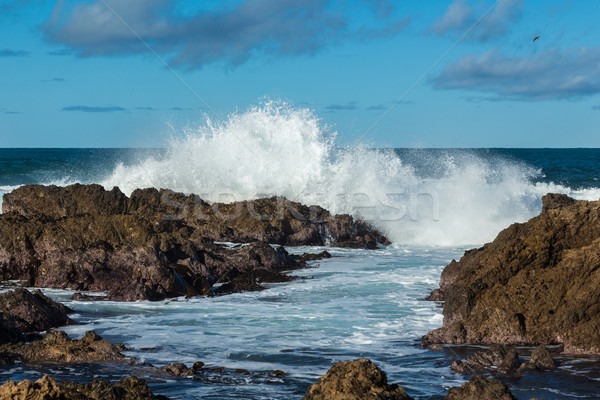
433 204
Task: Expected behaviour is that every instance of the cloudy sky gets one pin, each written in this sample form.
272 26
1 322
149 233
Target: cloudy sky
436 73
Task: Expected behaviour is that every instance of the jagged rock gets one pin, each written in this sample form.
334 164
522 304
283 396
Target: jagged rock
504 358
46 388
541 359
275 220
479 388
537 283
315 257
355 380
178 369
155 244
436 295
23 312
58 347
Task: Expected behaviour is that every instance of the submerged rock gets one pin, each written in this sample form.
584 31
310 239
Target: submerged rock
537 283
46 388
58 347
355 380
505 358
479 388
156 244
23 312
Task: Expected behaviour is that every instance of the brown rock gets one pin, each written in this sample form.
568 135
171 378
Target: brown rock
536 283
178 369
505 358
355 380
24 312
47 389
479 388
157 244
541 359
58 347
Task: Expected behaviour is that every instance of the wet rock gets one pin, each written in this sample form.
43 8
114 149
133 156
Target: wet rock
58 347
505 358
541 359
436 295
87 297
46 388
274 220
33 311
359 379
198 365
250 281
315 257
135 255
157 244
242 371
279 373
479 388
23 312
525 287
178 369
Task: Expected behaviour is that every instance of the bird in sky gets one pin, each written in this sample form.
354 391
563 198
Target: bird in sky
536 38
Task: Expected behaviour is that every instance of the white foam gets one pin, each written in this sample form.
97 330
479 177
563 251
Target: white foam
276 149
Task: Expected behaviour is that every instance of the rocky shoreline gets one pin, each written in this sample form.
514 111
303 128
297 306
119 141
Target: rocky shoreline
535 285
159 244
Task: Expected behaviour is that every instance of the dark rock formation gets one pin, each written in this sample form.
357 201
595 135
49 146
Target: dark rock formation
362 380
274 220
156 244
505 358
23 312
355 380
536 283
58 347
541 359
315 257
479 388
178 369
46 388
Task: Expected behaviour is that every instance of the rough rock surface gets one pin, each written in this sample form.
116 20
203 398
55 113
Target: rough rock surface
156 244
23 312
541 359
58 347
46 388
505 358
355 380
275 220
479 388
537 283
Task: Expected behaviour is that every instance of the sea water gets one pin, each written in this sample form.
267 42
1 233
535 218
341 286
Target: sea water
432 203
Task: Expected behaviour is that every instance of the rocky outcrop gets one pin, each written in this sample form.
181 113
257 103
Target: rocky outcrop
355 380
274 220
46 388
504 358
362 380
479 388
23 312
537 283
58 347
155 244
541 359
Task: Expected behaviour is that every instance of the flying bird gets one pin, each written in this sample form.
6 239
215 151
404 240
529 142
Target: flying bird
536 38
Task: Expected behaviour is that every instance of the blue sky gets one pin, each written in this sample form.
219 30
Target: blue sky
453 73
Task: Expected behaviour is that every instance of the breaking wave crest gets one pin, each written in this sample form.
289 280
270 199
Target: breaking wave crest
417 198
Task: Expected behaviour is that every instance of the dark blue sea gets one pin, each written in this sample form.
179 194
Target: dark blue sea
433 204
